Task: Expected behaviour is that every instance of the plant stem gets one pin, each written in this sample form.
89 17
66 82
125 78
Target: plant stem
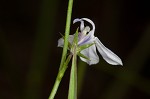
72 94
63 64
59 77
67 31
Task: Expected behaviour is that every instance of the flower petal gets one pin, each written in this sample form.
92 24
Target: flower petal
61 41
81 25
107 54
91 54
93 25
71 37
91 33
76 20
86 40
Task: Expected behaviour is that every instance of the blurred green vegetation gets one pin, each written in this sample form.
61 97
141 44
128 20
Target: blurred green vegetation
29 57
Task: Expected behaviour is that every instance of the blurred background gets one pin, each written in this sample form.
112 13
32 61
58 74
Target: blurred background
30 58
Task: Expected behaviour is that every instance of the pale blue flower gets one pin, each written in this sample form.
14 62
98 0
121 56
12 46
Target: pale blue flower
86 36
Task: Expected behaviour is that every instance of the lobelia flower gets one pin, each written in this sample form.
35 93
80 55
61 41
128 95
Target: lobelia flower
86 36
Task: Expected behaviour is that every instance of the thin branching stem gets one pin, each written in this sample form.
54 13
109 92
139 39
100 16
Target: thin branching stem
64 61
59 77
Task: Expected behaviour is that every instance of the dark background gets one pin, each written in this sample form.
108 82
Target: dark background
29 56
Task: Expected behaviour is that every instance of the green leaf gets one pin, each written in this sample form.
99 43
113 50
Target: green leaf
83 56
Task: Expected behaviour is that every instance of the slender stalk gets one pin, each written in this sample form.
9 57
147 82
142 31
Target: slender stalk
63 64
59 77
72 94
67 31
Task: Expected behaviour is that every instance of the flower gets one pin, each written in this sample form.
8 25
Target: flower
86 36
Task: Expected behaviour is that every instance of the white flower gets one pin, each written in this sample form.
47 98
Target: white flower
86 36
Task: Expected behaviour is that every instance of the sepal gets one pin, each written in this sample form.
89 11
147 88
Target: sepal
83 56
75 40
82 47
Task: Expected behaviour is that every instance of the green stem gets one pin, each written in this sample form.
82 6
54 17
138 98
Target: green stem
59 77
63 64
67 31
72 94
